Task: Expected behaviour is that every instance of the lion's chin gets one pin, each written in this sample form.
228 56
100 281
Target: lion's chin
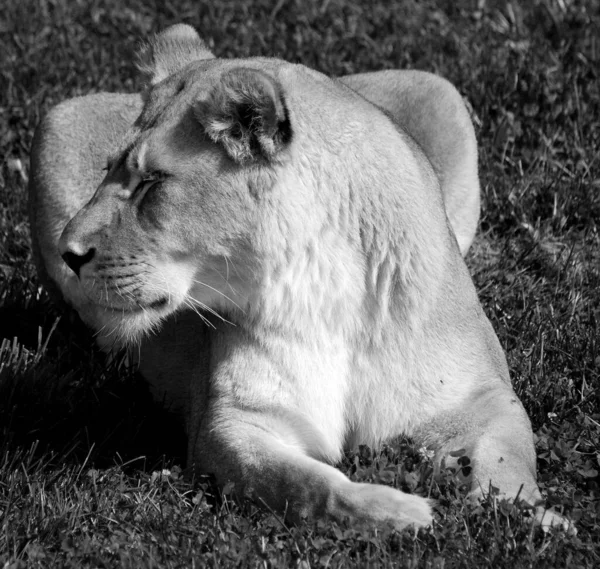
119 328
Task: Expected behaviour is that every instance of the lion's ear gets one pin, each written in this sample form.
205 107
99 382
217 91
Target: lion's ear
246 113
171 50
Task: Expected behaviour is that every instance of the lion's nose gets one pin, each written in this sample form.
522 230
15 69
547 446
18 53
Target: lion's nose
76 260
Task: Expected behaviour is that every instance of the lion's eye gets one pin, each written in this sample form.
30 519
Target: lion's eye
145 185
149 181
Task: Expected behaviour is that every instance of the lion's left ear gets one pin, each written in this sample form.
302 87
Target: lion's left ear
170 51
246 113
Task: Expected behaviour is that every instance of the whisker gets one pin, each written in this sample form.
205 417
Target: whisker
234 267
222 294
227 269
209 309
226 279
190 305
96 334
125 281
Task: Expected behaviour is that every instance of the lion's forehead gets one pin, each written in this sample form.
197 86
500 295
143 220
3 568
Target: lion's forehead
321 104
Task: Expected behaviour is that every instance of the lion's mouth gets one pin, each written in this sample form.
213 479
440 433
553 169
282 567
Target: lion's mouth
137 308
159 303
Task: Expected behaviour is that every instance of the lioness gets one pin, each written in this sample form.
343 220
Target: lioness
308 230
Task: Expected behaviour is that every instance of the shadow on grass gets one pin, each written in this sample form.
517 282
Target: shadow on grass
59 396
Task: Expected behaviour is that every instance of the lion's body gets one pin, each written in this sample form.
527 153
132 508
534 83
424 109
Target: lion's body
302 214
431 110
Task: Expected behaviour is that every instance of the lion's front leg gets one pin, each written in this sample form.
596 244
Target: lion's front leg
264 456
272 420
492 448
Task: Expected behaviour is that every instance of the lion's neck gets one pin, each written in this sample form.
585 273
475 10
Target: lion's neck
325 289
360 257
310 292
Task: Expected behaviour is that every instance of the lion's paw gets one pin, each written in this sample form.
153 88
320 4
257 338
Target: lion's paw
416 511
394 507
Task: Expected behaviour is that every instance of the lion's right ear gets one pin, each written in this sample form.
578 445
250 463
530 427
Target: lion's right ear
246 113
171 50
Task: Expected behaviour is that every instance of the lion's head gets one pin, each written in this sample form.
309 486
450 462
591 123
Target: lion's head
252 187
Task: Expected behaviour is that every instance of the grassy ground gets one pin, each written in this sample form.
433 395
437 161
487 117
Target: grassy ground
90 470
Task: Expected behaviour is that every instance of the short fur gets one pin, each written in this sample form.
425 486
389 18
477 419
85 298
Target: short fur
285 203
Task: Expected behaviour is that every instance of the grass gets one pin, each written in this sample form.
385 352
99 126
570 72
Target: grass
90 468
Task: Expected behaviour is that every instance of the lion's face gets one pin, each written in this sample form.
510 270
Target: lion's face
171 223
